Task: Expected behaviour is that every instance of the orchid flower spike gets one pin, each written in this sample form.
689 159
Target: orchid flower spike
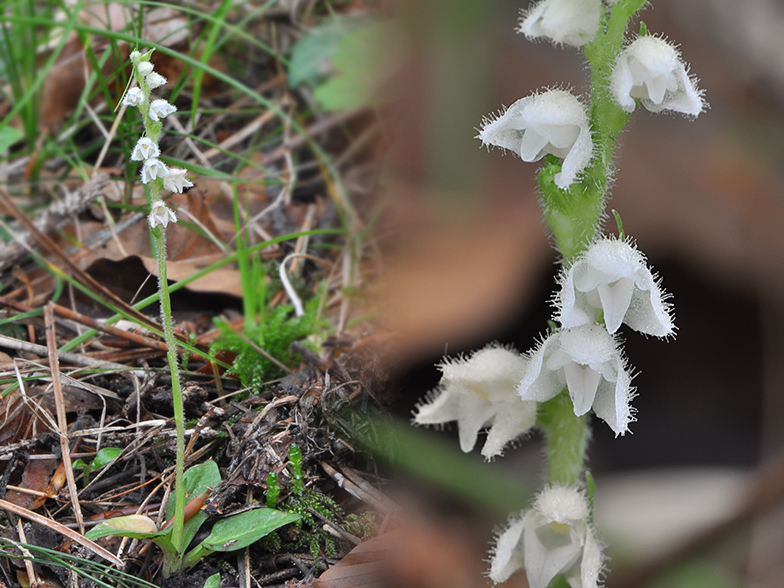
554 537
160 214
612 276
479 392
551 122
587 361
651 70
570 22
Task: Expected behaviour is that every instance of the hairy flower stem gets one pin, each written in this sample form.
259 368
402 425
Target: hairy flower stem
567 439
154 129
573 216
171 355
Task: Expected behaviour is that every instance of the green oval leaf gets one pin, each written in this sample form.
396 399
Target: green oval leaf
106 456
239 531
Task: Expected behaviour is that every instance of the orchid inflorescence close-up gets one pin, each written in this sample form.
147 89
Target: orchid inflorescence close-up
578 367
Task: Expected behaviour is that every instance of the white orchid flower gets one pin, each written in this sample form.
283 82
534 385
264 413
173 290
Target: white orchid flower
478 392
613 276
176 181
651 70
155 80
570 22
551 122
554 537
144 68
160 214
587 361
160 109
152 169
145 148
133 97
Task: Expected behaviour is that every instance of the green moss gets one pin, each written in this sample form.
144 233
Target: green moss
274 335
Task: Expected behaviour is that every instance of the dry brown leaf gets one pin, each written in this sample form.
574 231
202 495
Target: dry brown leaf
221 281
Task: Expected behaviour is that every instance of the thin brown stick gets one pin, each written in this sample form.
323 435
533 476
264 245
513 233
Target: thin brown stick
63 530
28 562
72 358
62 423
109 329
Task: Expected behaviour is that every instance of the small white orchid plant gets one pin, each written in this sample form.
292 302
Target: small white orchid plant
158 177
604 282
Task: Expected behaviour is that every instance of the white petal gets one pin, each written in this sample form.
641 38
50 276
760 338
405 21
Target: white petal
574 22
508 554
582 382
475 413
539 382
441 406
592 562
533 146
516 419
651 69
155 80
612 402
549 549
577 160
485 367
615 299
144 68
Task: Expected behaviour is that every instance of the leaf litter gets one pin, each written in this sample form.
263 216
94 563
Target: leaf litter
274 187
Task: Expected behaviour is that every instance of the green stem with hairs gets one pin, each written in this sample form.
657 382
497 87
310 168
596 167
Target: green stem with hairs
154 130
159 233
567 439
574 215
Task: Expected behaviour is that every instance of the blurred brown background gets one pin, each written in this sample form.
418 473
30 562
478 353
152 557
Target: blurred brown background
471 261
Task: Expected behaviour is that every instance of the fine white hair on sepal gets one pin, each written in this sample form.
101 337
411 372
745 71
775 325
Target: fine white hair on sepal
586 360
612 276
553 121
564 22
552 537
479 391
651 70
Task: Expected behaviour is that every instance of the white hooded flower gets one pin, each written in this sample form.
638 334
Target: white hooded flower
651 69
144 68
480 392
145 149
160 214
160 109
587 361
612 276
176 181
155 80
573 22
152 169
554 537
133 97
552 122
